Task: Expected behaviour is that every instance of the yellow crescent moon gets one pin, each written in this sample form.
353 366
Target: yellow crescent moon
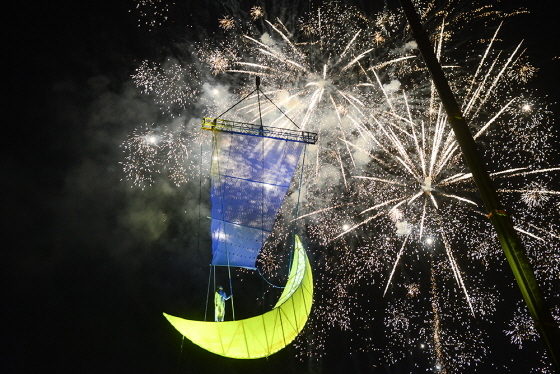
265 334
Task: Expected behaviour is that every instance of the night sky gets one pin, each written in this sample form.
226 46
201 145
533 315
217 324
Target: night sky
90 264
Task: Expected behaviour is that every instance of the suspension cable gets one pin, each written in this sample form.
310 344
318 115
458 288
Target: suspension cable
298 200
214 147
258 81
208 292
285 115
234 105
267 281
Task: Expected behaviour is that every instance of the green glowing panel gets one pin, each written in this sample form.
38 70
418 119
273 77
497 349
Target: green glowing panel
262 335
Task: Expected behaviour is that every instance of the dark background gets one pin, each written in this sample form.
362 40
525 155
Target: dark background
86 269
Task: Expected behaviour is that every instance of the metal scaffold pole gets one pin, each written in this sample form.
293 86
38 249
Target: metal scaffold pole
513 248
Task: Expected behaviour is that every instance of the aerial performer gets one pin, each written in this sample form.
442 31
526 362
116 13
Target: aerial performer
220 304
251 172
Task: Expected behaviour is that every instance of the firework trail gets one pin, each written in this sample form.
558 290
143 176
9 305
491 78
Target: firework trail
399 227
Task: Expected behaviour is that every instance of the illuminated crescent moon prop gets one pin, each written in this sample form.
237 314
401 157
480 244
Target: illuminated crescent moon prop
263 335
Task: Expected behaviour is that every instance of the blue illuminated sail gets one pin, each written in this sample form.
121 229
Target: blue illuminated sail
251 174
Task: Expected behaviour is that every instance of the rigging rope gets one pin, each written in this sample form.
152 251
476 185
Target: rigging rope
208 293
267 281
300 181
259 91
180 353
234 105
258 82
298 200
214 142
199 204
285 115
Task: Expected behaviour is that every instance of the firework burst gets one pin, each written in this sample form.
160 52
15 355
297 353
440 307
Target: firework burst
153 12
161 150
387 198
